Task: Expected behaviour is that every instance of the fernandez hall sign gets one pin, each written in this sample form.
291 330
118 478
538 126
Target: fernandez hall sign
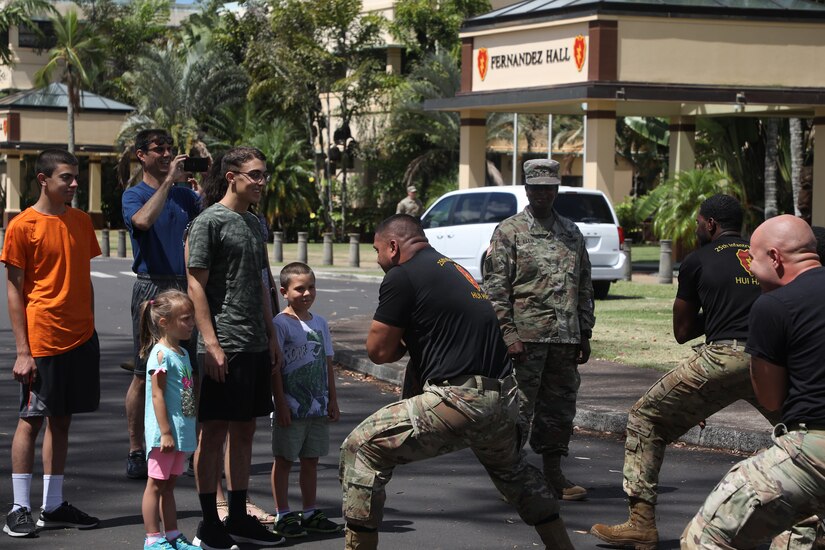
529 58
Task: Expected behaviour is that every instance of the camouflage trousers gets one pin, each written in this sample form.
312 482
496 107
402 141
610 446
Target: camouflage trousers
762 497
548 384
441 420
715 376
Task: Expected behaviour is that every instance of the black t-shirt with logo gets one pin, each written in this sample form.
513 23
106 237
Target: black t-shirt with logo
718 278
450 328
788 330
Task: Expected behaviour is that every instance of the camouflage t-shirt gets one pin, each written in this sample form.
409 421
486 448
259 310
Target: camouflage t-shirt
230 246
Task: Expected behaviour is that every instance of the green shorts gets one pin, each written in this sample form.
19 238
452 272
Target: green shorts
303 438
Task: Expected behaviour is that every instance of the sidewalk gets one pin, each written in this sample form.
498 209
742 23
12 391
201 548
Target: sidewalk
607 391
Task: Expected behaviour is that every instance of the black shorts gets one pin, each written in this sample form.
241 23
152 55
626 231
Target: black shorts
145 288
65 384
246 393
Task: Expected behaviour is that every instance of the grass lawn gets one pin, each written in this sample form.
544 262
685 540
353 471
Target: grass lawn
634 326
644 252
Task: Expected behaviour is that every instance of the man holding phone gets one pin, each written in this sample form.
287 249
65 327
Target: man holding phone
156 213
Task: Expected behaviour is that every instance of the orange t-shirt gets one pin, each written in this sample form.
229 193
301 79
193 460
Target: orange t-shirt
55 255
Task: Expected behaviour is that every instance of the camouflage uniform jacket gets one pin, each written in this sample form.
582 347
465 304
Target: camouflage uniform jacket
538 279
413 207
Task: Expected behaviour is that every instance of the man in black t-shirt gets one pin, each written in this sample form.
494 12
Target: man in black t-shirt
763 496
432 307
716 291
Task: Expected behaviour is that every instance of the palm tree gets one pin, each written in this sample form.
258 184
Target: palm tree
179 92
674 204
15 14
291 191
76 49
437 132
771 160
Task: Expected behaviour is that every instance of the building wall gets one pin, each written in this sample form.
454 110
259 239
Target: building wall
701 51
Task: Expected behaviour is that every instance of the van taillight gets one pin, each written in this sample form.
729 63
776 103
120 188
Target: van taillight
621 236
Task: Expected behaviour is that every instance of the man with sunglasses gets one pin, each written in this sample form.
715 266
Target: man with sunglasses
538 277
156 213
237 347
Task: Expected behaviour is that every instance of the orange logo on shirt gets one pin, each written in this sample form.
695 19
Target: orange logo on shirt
744 260
467 276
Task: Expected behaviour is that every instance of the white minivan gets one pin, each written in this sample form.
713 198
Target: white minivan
460 224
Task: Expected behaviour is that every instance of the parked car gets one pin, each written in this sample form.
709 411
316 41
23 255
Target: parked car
460 224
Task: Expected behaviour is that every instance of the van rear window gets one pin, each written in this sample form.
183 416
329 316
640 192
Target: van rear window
584 208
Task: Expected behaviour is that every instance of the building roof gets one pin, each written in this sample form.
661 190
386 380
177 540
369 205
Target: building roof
537 10
55 97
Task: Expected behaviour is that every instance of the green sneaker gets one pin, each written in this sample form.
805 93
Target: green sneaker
289 526
318 523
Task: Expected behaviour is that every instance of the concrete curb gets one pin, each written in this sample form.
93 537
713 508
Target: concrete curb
719 437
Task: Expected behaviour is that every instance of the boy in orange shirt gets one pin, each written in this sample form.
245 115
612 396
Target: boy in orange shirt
47 252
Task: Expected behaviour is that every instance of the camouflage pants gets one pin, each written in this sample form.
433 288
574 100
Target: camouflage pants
712 378
441 420
548 384
763 496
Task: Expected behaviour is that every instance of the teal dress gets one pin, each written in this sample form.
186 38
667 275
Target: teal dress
179 397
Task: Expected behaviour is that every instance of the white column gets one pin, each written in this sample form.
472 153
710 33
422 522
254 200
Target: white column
472 158
94 186
818 187
600 147
12 184
682 145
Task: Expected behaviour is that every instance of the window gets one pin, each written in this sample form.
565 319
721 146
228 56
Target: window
500 207
583 208
469 209
28 37
439 215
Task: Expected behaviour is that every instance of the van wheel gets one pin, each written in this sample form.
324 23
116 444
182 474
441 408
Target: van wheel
600 289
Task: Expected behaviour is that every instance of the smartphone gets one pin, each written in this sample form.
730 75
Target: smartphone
195 164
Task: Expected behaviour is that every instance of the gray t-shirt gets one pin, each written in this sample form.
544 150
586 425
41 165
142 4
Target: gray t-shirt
230 246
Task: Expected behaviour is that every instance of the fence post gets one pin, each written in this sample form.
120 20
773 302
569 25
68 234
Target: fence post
355 250
121 243
327 259
302 246
628 267
278 247
665 262
106 248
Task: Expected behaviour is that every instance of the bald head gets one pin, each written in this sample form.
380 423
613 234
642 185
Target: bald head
782 248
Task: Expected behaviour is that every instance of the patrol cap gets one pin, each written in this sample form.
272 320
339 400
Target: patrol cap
541 172
411 189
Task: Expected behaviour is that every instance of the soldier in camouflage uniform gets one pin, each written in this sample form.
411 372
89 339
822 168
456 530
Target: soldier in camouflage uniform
763 496
409 204
432 307
538 277
715 294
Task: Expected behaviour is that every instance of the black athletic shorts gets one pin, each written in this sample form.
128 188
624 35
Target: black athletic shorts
65 384
244 395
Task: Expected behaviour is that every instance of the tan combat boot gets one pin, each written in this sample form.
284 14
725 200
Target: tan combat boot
554 535
563 487
360 540
638 531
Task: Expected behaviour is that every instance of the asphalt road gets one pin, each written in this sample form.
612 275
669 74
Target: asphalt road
446 502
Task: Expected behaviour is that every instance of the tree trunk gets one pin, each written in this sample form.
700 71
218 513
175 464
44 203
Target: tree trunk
771 140
797 152
328 190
